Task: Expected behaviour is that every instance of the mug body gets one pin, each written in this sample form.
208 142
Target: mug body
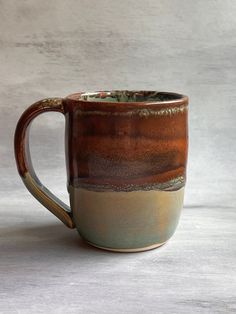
126 154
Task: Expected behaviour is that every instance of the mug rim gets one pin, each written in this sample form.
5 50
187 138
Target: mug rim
178 98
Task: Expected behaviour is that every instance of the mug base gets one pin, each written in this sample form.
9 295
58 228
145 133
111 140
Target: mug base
142 249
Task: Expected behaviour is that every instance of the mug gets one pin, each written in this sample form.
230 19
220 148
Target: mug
126 154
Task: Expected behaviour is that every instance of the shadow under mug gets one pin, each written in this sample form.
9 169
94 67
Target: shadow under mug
126 154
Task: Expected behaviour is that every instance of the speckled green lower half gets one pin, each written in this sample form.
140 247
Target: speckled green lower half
126 220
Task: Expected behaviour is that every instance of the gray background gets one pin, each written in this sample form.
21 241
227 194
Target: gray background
54 48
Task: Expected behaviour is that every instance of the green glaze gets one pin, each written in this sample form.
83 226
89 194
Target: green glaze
127 96
126 220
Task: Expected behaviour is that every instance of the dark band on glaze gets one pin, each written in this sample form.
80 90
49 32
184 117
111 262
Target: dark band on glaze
172 185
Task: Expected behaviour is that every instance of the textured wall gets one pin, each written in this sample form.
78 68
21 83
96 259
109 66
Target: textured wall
53 48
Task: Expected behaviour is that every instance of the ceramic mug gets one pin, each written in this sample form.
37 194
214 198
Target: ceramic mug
126 154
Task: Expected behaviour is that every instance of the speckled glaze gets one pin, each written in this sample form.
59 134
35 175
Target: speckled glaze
126 154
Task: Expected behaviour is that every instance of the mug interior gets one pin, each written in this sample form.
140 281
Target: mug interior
128 96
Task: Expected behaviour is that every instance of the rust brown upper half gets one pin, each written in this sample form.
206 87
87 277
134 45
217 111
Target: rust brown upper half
126 146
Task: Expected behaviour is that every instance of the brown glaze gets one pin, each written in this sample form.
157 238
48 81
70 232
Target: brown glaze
126 154
24 164
126 146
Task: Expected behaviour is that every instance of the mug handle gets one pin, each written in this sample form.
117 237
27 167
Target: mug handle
24 164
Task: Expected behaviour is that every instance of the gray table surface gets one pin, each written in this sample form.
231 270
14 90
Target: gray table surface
54 48
46 268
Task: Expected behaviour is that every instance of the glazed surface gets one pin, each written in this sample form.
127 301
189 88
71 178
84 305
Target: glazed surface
126 164
128 96
126 146
126 220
